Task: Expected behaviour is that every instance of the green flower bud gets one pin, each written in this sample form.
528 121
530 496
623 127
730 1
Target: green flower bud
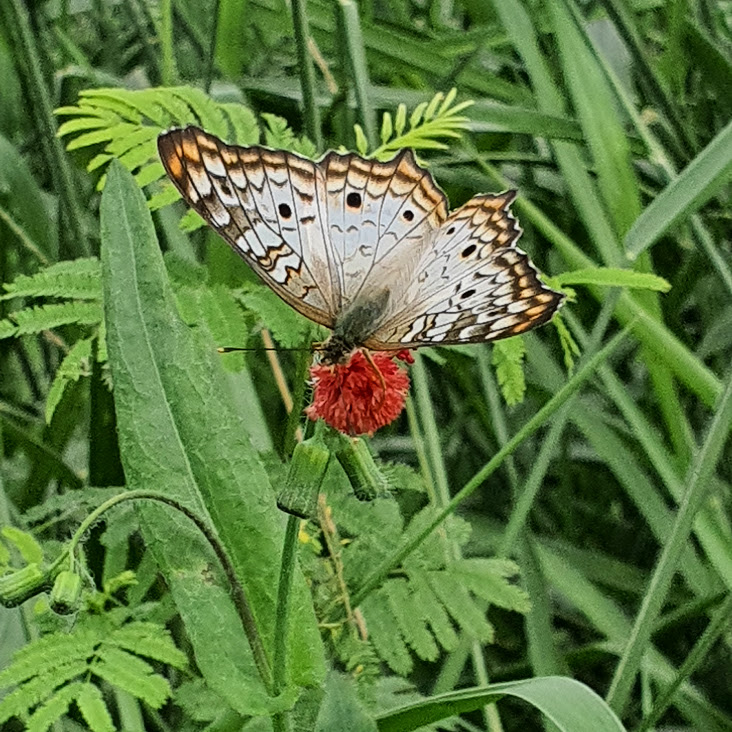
65 593
18 586
307 470
366 479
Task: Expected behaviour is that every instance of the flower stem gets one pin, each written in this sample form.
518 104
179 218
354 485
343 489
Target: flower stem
287 570
240 600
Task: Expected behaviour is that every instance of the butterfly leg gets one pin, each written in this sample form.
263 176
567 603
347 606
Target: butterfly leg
367 356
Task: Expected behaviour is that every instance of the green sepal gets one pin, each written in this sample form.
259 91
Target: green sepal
367 481
66 593
299 496
17 587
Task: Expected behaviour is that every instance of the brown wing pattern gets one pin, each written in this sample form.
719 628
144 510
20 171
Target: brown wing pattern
267 205
474 285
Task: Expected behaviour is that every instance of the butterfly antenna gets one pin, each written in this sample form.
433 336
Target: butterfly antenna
250 349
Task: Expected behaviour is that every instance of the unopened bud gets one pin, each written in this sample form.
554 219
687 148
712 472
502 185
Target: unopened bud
366 479
18 586
65 593
304 478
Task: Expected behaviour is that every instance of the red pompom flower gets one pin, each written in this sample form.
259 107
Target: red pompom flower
361 395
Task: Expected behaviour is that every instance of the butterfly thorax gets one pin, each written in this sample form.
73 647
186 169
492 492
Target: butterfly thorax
354 326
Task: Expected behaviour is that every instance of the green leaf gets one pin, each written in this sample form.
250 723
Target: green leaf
410 618
92 707
148 639
508 360
77 278
47 317
178 435
595 104
705 175
53 709
132 674
612 277
287 326
341 708
25 543
386 636
76 364
489 580
571 706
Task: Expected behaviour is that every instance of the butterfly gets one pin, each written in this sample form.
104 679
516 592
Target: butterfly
363 247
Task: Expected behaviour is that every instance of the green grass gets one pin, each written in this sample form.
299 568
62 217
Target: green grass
604 495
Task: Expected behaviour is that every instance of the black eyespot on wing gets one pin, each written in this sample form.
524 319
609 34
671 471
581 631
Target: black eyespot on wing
451 231
353 200
285 211
468 251
408 215
467 293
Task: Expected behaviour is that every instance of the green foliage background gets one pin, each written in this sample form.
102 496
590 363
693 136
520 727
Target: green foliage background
560 504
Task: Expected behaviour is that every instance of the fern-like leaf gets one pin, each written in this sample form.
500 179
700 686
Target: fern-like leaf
92 707
47 317
386 636
76 363
148 639
458 602
410 618
428 124
25 697
433 611
508 359
125 124
132 674
288 327
489 579
53 709
74 278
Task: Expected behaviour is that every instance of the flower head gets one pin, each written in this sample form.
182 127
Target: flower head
361 395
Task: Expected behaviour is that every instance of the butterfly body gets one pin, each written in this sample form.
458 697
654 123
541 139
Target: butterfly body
363 247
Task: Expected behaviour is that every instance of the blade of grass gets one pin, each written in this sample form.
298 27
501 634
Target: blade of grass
16 17
442 498
707 173
517 21
696 492
593 100
719 624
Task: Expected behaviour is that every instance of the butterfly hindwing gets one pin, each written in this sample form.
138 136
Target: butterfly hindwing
267 205
472 285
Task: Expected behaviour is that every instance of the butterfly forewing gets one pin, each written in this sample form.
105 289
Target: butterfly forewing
268 205
472 285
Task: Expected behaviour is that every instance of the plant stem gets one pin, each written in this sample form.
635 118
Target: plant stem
378 575
16 17
307 72
240 600
287 568
169 71
696 492
359 68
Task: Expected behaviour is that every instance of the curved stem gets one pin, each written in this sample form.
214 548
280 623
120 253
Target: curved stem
240 600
